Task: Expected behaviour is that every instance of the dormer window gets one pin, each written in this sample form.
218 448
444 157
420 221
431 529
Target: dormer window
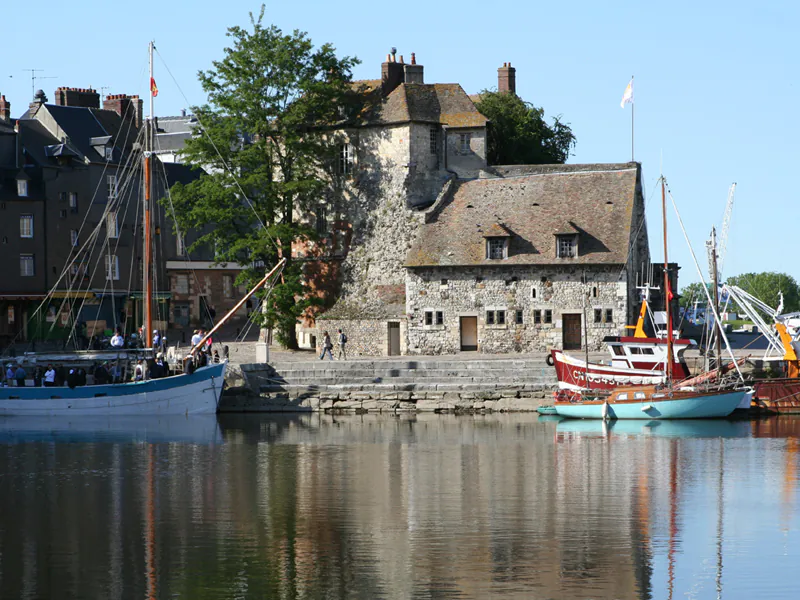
566 246
22 188
496 248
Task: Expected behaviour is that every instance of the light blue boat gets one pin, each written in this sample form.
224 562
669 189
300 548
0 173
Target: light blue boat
648 403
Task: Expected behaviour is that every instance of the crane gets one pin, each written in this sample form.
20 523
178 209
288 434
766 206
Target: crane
723 234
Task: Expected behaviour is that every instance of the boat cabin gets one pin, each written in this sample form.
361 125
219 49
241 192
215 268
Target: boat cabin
647 353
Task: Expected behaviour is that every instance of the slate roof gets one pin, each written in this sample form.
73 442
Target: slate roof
596 201
35 139
435 103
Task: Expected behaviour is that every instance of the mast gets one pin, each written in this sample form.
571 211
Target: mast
712 257
147 328
667 290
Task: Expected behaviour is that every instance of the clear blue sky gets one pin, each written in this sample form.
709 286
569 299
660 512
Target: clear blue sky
715 90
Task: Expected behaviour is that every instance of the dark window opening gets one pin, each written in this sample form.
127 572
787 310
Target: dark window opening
428 317
439 317
548 316
609 315
490 317
519 317
598 315
537 317
501 317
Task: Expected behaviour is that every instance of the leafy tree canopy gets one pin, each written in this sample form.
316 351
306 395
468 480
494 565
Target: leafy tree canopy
767 288
264 155
692 292
518 133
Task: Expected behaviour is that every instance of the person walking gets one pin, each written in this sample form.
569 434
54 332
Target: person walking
341 341
327 346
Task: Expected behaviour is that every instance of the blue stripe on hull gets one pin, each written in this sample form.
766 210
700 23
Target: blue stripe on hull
716 406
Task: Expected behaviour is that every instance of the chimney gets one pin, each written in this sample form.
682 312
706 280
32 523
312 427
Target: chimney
80 97
413 71
391 73
507 79
39 98
5 109
127 107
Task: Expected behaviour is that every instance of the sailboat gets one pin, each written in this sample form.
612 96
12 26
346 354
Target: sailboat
193 392
654 401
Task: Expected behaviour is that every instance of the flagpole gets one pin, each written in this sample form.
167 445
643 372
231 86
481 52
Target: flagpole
633 106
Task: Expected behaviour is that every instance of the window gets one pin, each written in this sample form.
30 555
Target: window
63 214
109 152
11 315
73 202
322 221
428 317
567 246
533 293
112 267
464 143
22 188
548 316
444 282
439 317
622 397
73 237
518 316
346 159
609 315
26 265
111 182
490 317
598 315
496 248
181 284
112 227
434 140
227 286
62 196
618 350
501 317
594 292
639 395
26 226
537 317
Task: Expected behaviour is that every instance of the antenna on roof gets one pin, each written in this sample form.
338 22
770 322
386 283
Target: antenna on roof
34 77
103 89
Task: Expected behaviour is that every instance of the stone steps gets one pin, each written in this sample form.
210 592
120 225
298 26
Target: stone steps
389 388
426 365
411 374
511 379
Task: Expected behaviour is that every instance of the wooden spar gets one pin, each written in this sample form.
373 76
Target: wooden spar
667 290
147 329
239 304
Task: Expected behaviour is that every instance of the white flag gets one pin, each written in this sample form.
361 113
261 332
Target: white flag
627 97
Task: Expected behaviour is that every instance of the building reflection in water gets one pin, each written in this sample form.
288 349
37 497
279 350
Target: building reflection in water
375 506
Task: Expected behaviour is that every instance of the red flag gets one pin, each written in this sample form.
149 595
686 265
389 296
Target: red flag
153 87
670 295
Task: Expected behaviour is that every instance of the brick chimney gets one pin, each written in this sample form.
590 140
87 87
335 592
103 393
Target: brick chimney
507 79
80 97
391 73
5 109
127 107
413 71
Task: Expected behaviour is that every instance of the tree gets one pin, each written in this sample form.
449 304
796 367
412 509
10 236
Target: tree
518 133
767 287
692 292
265 156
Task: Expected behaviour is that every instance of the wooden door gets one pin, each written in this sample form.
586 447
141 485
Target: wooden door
571 332
469 333
394 339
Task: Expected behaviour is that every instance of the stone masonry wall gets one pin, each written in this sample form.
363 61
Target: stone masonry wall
365 337
472 291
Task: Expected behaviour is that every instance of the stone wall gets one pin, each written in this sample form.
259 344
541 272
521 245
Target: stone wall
365 337
472 291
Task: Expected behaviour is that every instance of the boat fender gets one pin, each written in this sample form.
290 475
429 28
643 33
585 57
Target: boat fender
549 360
604 411
647 407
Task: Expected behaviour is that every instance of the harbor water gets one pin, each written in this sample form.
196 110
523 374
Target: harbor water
387 506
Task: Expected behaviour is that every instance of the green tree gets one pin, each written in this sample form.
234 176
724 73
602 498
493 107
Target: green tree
265 156
518 133
768 286
692 292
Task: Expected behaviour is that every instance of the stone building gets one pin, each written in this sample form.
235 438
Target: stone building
426 212
535 258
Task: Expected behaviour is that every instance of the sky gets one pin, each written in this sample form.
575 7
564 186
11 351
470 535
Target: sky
715 94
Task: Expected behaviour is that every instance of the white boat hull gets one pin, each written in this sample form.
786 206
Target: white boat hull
194 394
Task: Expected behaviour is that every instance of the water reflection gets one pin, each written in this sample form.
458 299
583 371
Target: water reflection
311 506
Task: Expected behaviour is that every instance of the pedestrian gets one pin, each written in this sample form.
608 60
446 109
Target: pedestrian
196 337
138 372
156 340
327 346
20 375
117 341
50 376
341 341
